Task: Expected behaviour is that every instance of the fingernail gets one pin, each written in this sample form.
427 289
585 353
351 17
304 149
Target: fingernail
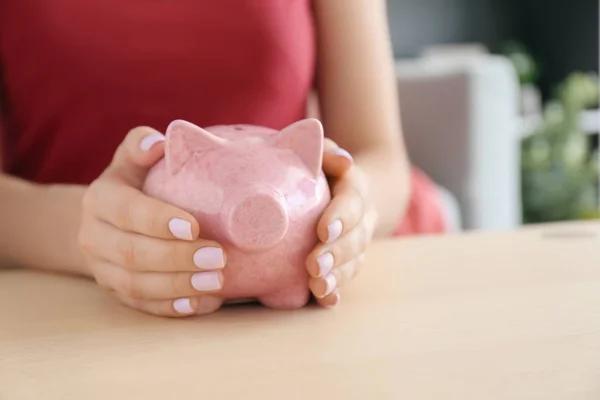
325 262
209 258
338 151
334 230
330 282
149 141
337 300
206 281
181 228
183 306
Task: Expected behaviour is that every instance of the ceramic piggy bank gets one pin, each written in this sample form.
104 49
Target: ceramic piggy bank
259 193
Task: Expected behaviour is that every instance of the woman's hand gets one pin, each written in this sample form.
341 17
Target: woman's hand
345 229
146 252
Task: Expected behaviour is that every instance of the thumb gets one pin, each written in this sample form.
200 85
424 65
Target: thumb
140 150
336 161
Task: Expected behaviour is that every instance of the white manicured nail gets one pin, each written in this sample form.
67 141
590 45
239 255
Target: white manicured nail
209 258
149 141
337 300
181 228
183 306
330 282
334 230
206 281
338 151
325 262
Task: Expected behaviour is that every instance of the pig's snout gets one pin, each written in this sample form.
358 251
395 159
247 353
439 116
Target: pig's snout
257 220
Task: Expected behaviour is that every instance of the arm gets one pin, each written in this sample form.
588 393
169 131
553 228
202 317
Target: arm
146 252
358 99
39 225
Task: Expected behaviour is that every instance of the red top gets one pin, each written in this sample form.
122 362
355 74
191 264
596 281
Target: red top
77 75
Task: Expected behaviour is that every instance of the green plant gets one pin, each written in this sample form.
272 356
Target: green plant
526 66
559 173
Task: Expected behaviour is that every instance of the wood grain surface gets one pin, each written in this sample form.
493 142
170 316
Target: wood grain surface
510 315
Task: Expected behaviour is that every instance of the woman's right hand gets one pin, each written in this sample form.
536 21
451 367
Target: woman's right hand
146 252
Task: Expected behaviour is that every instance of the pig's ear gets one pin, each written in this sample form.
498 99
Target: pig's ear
305 138
183 140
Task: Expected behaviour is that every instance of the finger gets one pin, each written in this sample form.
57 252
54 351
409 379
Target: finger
323 286
208 304
325 258
130 210
336 161
157 285
342 215
331 300
142 253
183 307
137 153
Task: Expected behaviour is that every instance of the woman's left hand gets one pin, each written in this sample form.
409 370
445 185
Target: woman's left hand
344 230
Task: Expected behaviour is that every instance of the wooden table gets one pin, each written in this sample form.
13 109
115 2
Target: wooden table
480 316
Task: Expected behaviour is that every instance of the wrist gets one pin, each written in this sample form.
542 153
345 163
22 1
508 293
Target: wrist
63 205
386 180
42 223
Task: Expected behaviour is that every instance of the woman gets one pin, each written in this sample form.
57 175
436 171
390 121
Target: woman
78 75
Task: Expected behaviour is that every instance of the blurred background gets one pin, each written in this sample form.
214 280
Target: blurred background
499 100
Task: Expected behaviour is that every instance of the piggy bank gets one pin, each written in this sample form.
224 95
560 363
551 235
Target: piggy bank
258 192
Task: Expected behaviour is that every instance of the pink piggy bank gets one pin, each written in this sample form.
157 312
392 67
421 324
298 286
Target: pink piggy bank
259 193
